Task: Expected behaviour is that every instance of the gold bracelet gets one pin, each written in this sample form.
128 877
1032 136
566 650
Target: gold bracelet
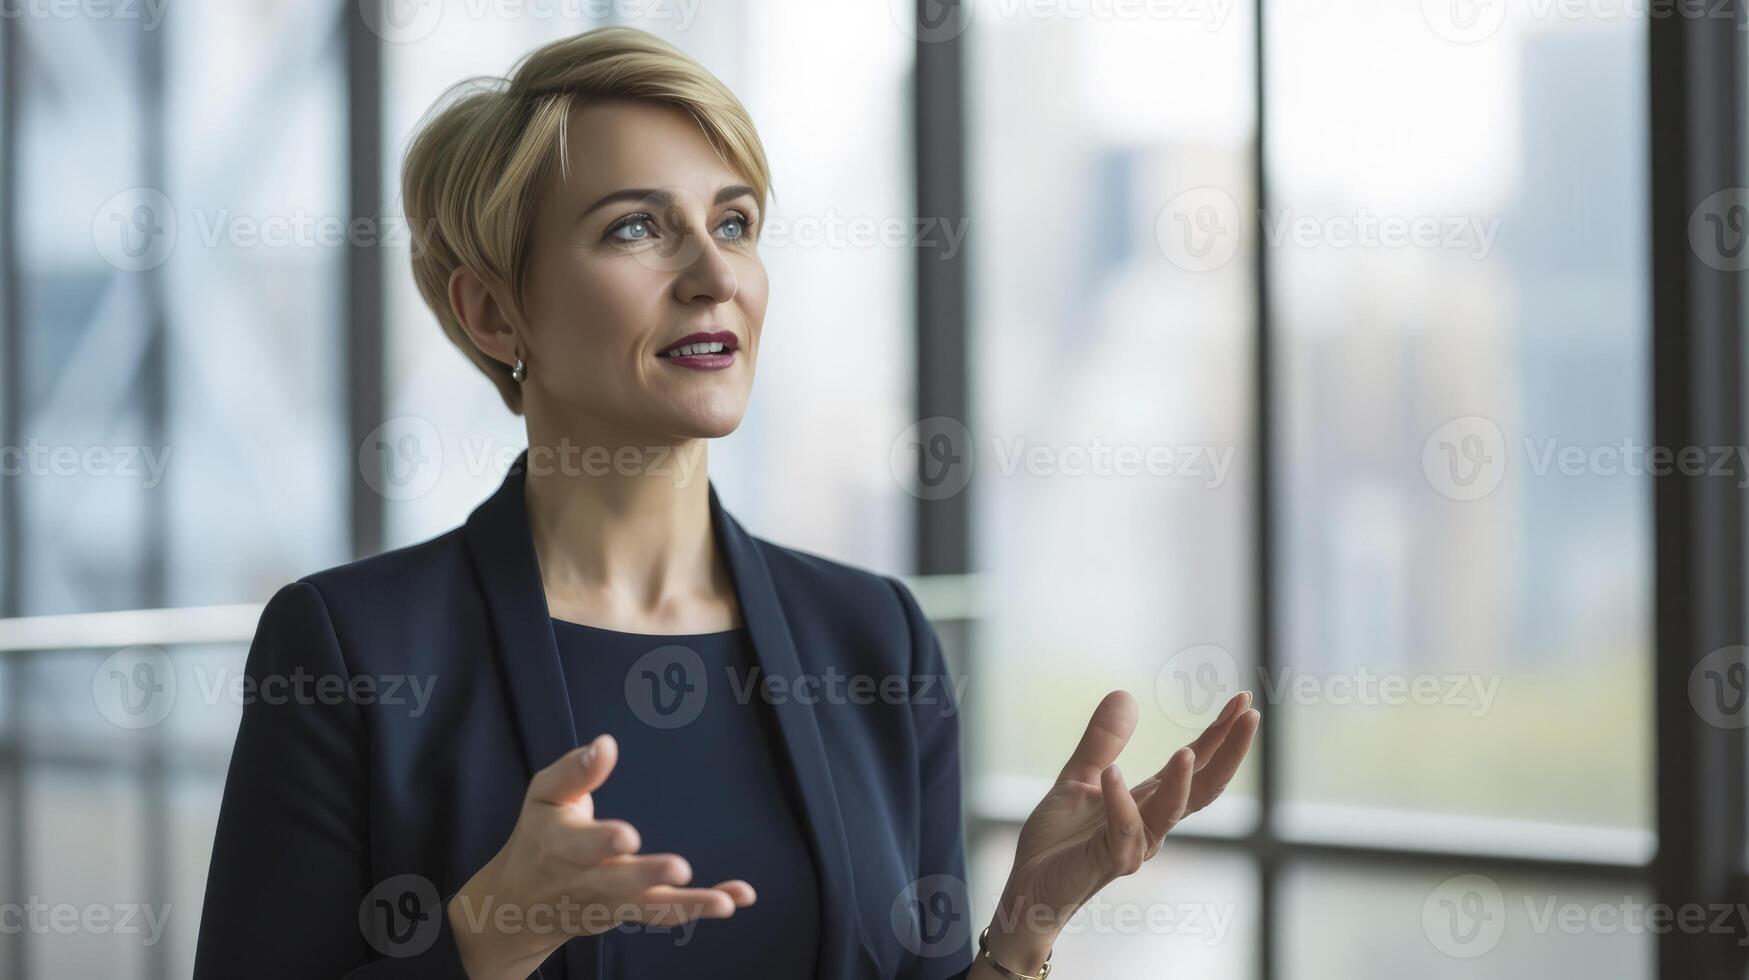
995 964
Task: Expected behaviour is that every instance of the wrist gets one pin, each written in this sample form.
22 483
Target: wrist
1022 951
487 953
1022 932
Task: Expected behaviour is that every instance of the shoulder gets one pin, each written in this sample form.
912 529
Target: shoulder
425 576
807 571
856 597
410 569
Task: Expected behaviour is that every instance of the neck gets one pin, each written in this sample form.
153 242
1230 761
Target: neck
622 527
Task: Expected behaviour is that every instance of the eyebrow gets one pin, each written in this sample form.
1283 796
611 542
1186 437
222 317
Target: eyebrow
661 198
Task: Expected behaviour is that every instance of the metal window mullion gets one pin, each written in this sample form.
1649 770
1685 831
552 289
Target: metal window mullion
1695 112
1268 851
11 427
363 330
153 774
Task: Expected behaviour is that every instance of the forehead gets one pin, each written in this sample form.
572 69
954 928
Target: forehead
617 144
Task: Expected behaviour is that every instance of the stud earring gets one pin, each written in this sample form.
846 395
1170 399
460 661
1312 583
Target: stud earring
519 372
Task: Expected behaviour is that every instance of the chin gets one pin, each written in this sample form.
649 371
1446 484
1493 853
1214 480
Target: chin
715 428
708 424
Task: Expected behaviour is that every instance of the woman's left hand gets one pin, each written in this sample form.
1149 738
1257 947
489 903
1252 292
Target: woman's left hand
1091 829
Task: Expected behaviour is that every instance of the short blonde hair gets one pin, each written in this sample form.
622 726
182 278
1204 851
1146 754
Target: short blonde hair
473 172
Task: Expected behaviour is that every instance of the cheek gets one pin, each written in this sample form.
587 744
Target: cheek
602 304
753 290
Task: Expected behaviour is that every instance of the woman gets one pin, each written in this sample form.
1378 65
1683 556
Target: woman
619 716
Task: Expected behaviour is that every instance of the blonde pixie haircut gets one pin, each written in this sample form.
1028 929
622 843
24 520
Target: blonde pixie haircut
473 173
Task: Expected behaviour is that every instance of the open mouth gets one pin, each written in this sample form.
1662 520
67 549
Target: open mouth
698 350
703 351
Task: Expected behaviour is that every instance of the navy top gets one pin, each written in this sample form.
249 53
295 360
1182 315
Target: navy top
679 705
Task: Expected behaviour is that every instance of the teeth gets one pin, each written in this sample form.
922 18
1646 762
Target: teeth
689 349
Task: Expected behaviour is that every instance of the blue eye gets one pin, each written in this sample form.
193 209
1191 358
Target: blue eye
642 221
642 228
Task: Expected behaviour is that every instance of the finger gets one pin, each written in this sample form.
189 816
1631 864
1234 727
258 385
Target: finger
742 893
1125 843
1162 811
630 874
598 840
575 774
1211 738
1108 731
1234 705
665 905
1206 746
1219 771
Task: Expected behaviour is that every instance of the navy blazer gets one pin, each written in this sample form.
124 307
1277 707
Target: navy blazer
353 812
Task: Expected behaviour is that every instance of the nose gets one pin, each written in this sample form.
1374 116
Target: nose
708 278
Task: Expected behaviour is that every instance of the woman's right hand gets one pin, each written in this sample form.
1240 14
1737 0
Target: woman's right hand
564 873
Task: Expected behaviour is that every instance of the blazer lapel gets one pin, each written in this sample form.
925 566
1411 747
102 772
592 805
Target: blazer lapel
528 655
843 948
502 547
509 575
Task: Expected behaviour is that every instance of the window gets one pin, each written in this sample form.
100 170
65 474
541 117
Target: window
1319 349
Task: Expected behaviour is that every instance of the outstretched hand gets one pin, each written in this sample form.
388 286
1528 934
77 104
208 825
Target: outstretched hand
1091 829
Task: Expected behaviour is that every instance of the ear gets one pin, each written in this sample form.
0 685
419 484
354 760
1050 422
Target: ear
478 304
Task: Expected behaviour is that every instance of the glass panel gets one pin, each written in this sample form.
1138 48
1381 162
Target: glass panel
11 943
194 815
1113 303
256 168
99 704
1190 912
1349 923
87 839
1460 291
86 325
191 288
